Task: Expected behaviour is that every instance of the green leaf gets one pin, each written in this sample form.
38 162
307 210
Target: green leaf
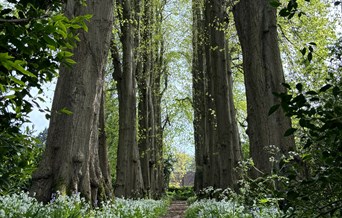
275 3
263 201
65 54
5 57
290 132
311 93
284 12
70 61
17 81
336 91
286 85
310 56
325 88
303 51
10 96
273 109
65 111
291 15
17 66
299 87
49 40
311 48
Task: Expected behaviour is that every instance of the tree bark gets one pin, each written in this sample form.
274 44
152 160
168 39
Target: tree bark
149 110
216 134
71 162
129 182
145 108
199 96
257 30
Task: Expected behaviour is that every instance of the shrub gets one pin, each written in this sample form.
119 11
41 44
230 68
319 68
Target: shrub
229 209
182 193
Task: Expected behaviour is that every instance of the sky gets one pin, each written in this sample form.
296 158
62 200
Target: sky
37 118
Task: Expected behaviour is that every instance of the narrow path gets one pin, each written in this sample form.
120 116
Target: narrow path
176 210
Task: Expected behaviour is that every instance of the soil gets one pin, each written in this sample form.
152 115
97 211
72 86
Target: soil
176 209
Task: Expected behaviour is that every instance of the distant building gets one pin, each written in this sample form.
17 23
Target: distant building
177 179
188 179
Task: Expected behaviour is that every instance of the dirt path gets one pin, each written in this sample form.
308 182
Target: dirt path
176 210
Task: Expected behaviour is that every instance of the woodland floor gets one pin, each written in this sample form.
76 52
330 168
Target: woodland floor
176 209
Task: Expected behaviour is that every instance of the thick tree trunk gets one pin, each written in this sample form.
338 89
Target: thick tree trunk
129 182
103 149
71 161
158 169
145 109
199 96
257 30
149 111
216 134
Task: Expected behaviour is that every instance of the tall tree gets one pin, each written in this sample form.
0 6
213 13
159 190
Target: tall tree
256 25
73 160
215 118
149 70
146 117
199 98
129 181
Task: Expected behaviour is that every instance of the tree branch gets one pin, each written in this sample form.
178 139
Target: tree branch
21 20
24 20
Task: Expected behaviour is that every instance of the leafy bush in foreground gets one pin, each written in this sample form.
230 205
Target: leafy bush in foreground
182 193
21 205
229 209
19 156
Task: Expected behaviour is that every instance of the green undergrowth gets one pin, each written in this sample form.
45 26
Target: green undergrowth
229 209
181 193
21 205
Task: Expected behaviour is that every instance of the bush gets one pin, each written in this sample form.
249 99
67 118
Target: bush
229 209
315 171
19 156
182 193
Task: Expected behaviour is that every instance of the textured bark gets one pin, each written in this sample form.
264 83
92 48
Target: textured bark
103 149
71 162
149 112
199 97
216 134
129 182
257 30
145 108
158 186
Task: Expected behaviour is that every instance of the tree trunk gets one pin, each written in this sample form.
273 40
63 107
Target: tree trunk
199 96
149 112
145 108
257 30
216 134
71 162
129 182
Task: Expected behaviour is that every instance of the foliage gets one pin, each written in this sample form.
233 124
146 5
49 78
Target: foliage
313 173
21 205
169 161
34 38
182 193
304 42
318 189
184 163
111 124
19 156
229 209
